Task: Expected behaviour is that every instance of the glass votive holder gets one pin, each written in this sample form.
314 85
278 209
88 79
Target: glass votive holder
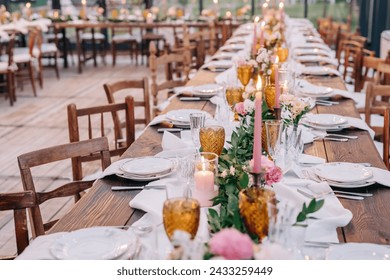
205 178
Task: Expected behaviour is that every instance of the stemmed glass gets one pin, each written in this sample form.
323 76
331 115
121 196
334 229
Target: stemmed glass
197 121
244 74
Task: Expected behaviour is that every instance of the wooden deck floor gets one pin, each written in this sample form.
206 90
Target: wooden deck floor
38 122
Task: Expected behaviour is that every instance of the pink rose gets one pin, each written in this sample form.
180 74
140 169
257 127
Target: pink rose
240 108
266 163
273 175
231 244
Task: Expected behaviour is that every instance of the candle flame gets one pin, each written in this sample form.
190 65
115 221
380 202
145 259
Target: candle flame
277 60
281 5
259 84
257 19
84 2
265 5
203 163
215 1
28 5
262 25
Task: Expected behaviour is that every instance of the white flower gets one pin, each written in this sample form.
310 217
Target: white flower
224 174
232 170
269 71
249 106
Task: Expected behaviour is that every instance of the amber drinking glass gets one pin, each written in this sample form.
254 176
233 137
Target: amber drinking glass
282 53
180 212
244 74
212 139
233 96
253 207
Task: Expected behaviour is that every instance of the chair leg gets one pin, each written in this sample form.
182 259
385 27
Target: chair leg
113 52
9 89
40 73
56 66
31 74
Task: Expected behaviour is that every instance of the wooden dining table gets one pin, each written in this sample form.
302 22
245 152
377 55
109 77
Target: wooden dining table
371 217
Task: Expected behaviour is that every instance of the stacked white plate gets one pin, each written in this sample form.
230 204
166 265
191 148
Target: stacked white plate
146 168
96 243
207 90
344 174
181 117
328 122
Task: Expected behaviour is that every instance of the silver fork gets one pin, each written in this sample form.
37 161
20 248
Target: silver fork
321 195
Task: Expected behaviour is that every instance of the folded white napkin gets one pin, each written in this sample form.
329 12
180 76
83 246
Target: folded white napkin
331 216
361 124
381 176
172 142
226 76
304 45
309 159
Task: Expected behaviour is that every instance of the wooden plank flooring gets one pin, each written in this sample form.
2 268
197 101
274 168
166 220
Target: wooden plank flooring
38 122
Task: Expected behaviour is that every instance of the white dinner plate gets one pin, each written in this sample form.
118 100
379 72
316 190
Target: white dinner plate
351 185
147 166
232 47
182 115
96 243
329 120
343 172
207 90
145 178
358 251
325 128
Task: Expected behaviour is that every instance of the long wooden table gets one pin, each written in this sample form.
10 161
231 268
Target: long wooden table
371 217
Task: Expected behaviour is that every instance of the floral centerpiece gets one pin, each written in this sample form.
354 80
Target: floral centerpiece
265 59
294 108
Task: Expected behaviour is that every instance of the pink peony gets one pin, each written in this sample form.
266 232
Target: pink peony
240 108
232 245
273 175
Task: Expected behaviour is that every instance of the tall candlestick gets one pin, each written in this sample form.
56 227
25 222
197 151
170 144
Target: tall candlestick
281 11
262 34
277 86
83 13
254 48
257 150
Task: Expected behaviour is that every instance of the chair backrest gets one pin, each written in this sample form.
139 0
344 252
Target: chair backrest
168 61
19 202
368 70
113 88
383 74
97 121
376 96
74 151
386 134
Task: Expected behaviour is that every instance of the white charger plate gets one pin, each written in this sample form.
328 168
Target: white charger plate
329 120
182 116
96 243
147 166
350 185
207 90
145 178
325 128
343 172
358 251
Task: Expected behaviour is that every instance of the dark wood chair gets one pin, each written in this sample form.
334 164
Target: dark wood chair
367 71
97 147
124 37
114 88
170 62
104 120
18 202
8 69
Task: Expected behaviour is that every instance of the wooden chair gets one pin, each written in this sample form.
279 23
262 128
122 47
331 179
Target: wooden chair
376 97
24 57
18 202
8 69
386 134
383 74
124 36
352 55
120 86
169 61
46 51
368 70
74 151
102 127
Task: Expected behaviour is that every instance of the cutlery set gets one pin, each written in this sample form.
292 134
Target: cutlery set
131 188
340 194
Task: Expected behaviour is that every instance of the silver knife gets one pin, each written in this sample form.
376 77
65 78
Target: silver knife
169 129
353 197
194 98
147 187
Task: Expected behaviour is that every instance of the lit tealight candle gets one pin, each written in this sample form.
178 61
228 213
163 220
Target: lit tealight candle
149 18
228 15
204 179
28 9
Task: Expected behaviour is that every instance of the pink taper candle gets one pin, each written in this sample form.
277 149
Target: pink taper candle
262 34
257 150
254 49
277 86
